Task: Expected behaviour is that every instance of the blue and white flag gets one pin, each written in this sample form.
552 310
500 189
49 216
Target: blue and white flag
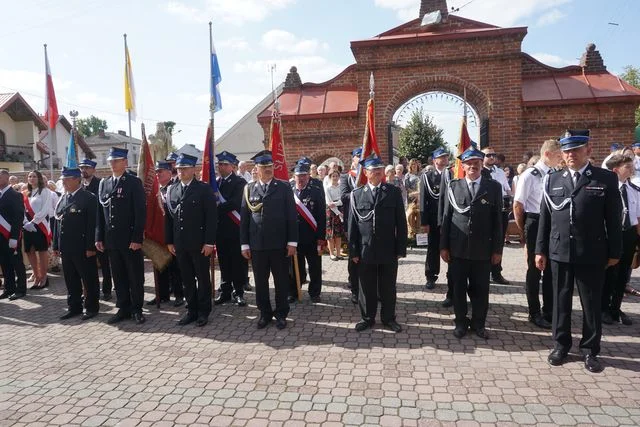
72 156
216 78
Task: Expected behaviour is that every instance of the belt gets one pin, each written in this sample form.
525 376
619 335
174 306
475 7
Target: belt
532 215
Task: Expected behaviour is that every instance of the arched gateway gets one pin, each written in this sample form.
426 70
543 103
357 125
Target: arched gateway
520 101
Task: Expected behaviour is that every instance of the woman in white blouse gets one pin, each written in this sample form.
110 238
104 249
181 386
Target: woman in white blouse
335 216
37 231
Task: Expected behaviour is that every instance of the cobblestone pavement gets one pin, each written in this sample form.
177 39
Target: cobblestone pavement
318 371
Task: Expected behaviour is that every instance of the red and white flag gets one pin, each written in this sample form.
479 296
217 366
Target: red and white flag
51 105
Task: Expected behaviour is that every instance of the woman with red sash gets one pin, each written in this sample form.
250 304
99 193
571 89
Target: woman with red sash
37 232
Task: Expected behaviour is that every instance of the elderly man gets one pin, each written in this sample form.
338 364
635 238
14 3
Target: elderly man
244 170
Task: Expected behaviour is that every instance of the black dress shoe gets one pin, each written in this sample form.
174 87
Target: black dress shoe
625 320
354 299
606 318
447 303
239 300
222 298
363 325
178 302
248 287
154 301
263 322
431 284
557 357
187 318
459 331
281 323
500 280
107 297
70 314
118 317
139 318
5 295
315 299
539 321
16 296
393 326
482 333
89 315
592 364
202 320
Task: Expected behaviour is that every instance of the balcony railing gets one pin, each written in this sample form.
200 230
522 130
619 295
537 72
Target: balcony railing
17 153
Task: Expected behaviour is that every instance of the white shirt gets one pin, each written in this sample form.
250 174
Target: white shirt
477 181
633 196
40 202
499 175
246 175
529 188
573 172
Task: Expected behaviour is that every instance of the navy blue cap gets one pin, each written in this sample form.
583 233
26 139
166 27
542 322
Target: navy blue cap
372 162
636 144
227 157
302 169
186 161
117 153
172 157
161 164
304 160
616 146
574 138
88 163
356 152
440 152
263 158
471 153
71 172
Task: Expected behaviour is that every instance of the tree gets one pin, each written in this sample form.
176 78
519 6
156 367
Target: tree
631 75
91 126
420 137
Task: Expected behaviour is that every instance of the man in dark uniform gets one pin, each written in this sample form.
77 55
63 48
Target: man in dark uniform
74 238
119 231
268 237
171 159
446 176
312 225
315 182
580 233
92 183
233 267
347 185
471 241
11 218
429 201
377 238
190 232
169 280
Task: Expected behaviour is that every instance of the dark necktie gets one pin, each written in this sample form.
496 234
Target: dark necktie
576 175
265 187
625 199
473 189
374 192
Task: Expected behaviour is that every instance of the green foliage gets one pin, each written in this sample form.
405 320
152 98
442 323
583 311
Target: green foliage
420 137
91 126
631 75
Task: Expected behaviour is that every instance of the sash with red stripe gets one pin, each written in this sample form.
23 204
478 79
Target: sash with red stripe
5 228
234 215
304 213
30 214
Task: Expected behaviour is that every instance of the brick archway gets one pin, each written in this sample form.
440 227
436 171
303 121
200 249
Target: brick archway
320 156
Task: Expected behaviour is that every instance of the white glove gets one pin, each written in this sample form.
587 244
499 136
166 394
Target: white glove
13 243
29 227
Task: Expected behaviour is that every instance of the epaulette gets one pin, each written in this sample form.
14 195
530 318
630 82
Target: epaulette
634 186
535 171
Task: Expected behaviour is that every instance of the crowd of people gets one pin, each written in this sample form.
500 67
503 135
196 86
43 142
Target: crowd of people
580 224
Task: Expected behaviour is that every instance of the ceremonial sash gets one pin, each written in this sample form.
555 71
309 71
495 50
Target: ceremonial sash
304 213
234 215
5 228
30 214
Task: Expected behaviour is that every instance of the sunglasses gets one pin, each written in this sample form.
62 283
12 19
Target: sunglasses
491 155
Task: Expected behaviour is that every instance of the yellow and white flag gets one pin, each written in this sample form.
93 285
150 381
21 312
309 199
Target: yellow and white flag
129 88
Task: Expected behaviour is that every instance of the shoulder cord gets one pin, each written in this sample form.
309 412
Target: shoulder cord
452 200
254 208
432 193
172 211
362 218
560 206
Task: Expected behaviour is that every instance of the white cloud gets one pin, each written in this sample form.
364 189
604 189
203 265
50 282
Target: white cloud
550 18
406 10
235 43
284 41
232 11
553 60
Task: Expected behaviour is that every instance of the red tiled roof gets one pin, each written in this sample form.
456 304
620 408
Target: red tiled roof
577 89
315 101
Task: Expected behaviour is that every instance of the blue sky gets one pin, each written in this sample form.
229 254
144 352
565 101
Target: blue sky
168 41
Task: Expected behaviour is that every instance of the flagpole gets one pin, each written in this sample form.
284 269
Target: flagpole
127 72
212 108
52 131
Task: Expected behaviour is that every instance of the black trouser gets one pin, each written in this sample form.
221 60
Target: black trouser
354 278
169 280
79 269
472 277
274 262
233 267
127 267
107 284
496 270
378 279
617 277
195 266
589 279
310 253
532 285
12 267
432 262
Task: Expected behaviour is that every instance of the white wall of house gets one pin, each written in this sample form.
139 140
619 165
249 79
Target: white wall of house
7 125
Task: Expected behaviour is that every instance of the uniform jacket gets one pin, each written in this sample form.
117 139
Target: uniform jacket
313 198
445 178
594 234
273 226
476 234
383 240
12 209
74 232
190 218
347 184
121 221
232 189
94 186
429 200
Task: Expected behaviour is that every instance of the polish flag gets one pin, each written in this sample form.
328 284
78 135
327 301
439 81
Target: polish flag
51 105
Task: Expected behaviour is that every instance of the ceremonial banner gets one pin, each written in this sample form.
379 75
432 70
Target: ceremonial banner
129 87
72 152
154 225
463 145
369 142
